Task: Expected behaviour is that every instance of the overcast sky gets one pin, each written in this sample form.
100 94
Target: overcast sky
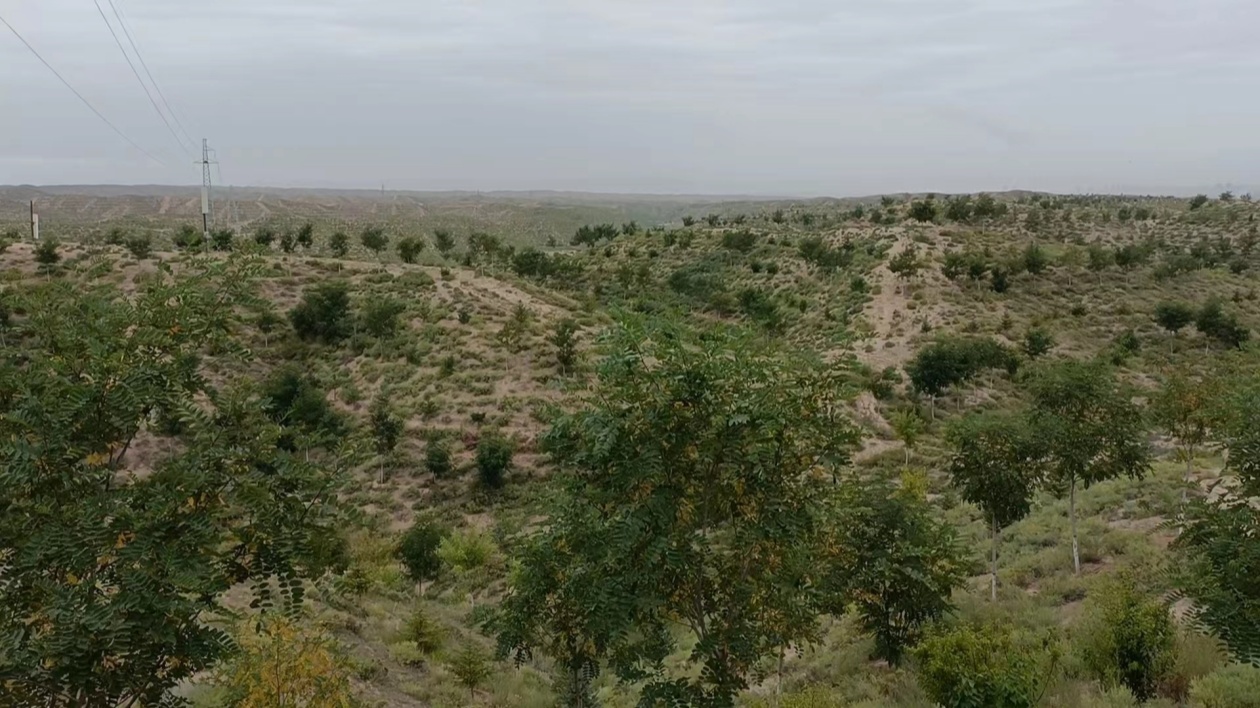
783 97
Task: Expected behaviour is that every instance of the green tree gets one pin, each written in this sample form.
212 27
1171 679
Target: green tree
1220 558
264 236
140 247
983 666
1037 342
418 550
1100 259
1214 322
386 429
188 238
443 241
906 264
380 316
305 236
46 254
696 494
339 244
221 239
907 425
896 564
1184 408
1034 259
1173 316
288 241
1128 638
494 460
1091 428
294 401
409 249
564 339
324 313
1198 202
471 667
437 458
994 465
950 361
111 575
374 239
923 210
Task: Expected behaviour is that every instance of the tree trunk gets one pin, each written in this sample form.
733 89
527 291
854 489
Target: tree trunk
1076 549
996 537
1185 487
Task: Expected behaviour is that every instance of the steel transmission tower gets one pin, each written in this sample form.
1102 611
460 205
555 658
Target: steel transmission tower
205 186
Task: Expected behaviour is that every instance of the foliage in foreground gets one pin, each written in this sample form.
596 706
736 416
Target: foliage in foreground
698 493
109 570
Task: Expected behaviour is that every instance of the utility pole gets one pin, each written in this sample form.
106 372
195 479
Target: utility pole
34 222
205 187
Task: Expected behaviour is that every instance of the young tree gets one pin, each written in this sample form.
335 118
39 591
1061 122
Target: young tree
995 465
1129 638
374 239
1198 202
409 249
443 241
923 210
140 247
564 339
305 236
494 460
386 429
380 316
1100 259
1091 429
339 244
418 550
1034 259
908 426
324 313
896 564
1222 326
471 666
437 458
1174 316
1184 408
697 496
265 236
188 238
111 575
221 239
1037 342
288 241
906 264
46 254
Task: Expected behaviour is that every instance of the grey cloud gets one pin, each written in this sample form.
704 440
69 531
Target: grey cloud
789 96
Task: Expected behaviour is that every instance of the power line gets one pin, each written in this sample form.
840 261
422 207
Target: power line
75 91
134 47
136 73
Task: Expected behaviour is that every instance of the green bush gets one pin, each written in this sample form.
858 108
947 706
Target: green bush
982 667
494 460
1234 686
1127 639
437 459
418 550
380 316
324 313
140 247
